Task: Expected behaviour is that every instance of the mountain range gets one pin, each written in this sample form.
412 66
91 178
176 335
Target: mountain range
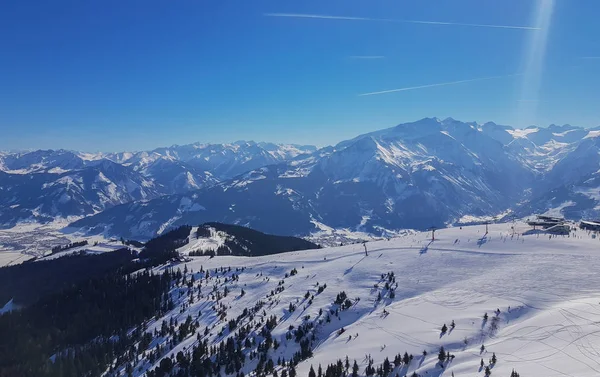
426 173
46 184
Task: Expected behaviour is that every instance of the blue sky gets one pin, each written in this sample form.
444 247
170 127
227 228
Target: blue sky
132 75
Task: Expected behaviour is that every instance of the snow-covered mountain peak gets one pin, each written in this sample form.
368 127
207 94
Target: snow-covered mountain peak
416 129
593 134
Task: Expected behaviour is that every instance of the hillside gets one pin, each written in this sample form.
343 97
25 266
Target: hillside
72 262
227 239
546 291
529 298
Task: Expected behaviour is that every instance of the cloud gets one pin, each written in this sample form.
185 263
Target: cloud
438 84
366 57
329 17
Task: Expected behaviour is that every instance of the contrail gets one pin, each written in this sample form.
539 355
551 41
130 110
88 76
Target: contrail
438 84
321 16
366 57
328 17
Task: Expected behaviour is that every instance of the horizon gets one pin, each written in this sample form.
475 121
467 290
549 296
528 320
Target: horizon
318 146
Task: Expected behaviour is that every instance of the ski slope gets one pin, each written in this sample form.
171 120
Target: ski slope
93 248
203 244
550 284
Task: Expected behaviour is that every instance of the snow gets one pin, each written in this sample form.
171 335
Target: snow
9 258
57 170
102 178
470 219
248 179
28 240
211 243
8 307
90 156
590 192
67 181
166 225
563 134
325 235
558 210
91 248
550 284
592 134
522 133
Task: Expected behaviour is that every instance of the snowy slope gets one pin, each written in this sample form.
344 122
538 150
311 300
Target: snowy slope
546 290
571 187
226 239
91 248
44 196
9 258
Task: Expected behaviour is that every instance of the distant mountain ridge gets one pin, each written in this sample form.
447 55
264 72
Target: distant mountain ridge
415 175
42 185
431 172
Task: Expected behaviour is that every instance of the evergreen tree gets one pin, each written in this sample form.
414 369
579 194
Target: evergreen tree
442 355
387 366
